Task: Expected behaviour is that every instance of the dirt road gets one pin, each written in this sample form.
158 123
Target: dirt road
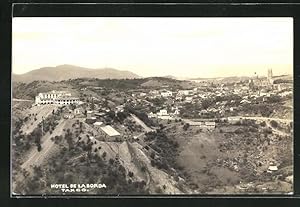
262 118
140 122
276 131
22 100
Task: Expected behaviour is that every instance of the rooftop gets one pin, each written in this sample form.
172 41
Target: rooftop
98 123
110 131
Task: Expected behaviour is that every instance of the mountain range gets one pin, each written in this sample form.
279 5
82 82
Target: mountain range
65 72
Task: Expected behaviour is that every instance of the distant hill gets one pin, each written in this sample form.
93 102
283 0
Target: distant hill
223 79
65 72
170 76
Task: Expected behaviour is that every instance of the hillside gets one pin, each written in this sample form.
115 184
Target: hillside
65 72
29 90
224 79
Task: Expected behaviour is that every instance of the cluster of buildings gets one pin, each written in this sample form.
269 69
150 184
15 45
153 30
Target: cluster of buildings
229 97
168 103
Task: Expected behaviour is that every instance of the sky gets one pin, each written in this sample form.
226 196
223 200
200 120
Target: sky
147 46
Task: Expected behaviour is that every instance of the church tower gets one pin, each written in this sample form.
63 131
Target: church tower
270 76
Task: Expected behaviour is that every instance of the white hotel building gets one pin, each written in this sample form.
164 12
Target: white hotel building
56 97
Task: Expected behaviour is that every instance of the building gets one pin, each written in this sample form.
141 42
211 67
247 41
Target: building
234 120
97 123
176 112
166 93
188 99
79 112
270 76
56 97
89 114
184 92
209 124
152 115
108 132
272 168
202 124
163 112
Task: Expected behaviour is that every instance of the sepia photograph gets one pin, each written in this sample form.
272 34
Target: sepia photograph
152 106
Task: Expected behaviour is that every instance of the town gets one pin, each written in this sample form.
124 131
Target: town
155 135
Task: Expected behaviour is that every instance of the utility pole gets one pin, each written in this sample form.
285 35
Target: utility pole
42 126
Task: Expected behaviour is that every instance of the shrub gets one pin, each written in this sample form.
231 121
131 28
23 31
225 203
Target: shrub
104 155
186 126
130 174
143 169
274 124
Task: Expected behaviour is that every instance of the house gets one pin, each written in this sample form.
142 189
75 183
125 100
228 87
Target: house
188 99
234 120
178 97
201 124
89 114
166 93
68 116
176 112
100 114
120 108
98 123
183 92
154 92
203 112
193 123
152 115
78 112
162 113
272 168
210 124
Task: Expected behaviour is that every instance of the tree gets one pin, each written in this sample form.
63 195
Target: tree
39 147
111 161
274 124
186 126
266 111
143 169
104 155
130 174
207 103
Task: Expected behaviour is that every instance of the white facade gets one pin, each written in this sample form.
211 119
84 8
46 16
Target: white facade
184 92
166 93
56 97
163 113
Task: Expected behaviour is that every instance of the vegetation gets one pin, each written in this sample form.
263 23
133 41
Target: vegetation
165 147
88 169
141 115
